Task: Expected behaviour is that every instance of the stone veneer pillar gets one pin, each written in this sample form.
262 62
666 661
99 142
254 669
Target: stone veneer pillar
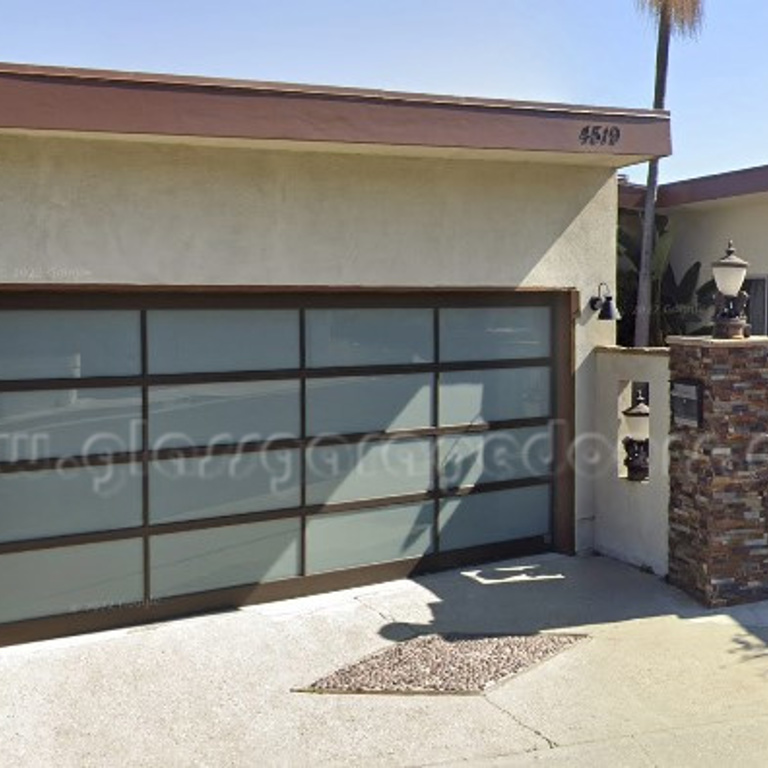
718 536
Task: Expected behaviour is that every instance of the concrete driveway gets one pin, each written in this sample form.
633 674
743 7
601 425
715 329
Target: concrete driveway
660 682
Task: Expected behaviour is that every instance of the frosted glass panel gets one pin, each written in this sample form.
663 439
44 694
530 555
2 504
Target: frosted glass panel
368 336
494 333
367 470
73 422
491 457
202 414
64 344
350 539
476 397
485 518
56 503
368 404
187 341
189 489
54 581
224 557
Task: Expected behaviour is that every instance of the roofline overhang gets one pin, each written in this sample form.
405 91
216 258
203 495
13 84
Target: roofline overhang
713 188
631 196
81 101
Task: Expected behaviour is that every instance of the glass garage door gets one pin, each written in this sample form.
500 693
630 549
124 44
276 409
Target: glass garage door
149 454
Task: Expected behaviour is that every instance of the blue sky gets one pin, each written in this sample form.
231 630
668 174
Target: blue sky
580 51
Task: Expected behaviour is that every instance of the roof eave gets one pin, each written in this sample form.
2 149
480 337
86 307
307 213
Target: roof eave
714 188
79 101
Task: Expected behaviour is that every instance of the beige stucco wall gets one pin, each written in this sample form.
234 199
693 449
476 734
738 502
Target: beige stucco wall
104 211
632 518
702 231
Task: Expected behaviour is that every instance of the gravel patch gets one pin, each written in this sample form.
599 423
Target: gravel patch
444 664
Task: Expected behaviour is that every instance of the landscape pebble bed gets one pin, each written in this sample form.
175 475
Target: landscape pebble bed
444 664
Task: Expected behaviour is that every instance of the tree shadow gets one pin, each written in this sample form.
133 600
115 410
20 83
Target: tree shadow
546 593
752 646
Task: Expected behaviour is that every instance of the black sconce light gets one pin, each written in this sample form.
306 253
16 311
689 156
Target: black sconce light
604 303
637 442
731 304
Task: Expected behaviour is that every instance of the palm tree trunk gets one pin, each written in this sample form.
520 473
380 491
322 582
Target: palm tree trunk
644 291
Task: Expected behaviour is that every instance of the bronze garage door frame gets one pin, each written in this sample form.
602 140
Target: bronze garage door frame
562 304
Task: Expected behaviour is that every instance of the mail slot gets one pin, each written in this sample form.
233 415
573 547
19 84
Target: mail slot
686 403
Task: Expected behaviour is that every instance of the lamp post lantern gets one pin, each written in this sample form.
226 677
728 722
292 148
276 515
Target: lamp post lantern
637 442
730 308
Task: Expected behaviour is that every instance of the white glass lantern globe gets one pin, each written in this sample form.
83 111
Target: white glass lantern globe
638 420
729 272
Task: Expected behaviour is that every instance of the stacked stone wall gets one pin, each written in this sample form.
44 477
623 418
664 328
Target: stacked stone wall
718 536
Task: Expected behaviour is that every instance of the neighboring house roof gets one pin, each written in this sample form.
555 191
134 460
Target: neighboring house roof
64 100
703 189
721 186
631 195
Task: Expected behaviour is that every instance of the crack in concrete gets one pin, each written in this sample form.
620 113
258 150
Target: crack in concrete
669 730
635 738
409 632
651 761
381 614
551 743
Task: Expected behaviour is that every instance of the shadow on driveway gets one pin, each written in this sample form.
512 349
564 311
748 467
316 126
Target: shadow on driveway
552 592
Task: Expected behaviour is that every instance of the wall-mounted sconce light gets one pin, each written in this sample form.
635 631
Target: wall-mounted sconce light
730 307
637 442
604 302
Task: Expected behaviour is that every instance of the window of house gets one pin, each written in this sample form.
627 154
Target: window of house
757 310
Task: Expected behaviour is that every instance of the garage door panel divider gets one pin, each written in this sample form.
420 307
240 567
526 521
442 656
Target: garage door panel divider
146 569
225 449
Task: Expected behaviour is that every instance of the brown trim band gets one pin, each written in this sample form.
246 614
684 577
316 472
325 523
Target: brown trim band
721 186
53 290
51 99
631 196
202 296
81 74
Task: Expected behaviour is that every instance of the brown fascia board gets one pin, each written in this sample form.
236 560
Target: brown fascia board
631 196
34 98
748 181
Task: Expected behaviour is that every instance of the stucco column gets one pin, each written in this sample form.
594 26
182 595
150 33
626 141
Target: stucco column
718 537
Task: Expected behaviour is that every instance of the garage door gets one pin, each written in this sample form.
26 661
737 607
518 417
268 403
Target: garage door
163 454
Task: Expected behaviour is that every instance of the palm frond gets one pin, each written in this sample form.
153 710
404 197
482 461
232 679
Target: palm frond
660 255
685 16
706 295
689 282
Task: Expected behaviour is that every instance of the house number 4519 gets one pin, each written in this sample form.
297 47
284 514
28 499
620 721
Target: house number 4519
600 135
